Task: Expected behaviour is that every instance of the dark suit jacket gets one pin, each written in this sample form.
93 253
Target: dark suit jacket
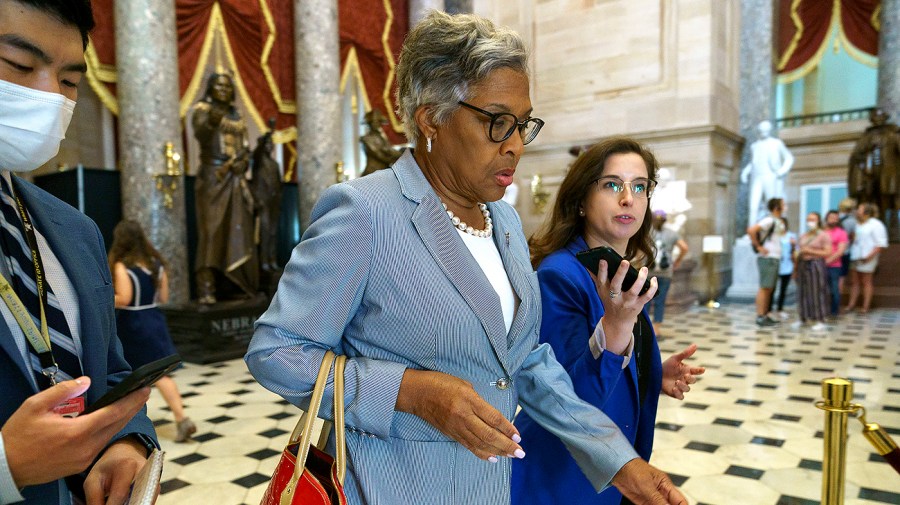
77 243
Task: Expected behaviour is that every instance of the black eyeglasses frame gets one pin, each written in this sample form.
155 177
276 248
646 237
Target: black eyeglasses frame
517 125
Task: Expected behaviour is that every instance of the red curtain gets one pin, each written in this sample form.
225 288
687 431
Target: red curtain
377 47
804 27
860 24
249 26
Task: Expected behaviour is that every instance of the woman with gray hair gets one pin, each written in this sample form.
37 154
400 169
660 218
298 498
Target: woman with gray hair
421 277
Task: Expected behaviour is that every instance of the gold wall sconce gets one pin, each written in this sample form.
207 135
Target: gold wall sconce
339 174
539 194
167 182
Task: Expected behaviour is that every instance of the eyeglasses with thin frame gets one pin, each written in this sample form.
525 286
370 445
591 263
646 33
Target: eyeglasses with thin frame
503 124
640 187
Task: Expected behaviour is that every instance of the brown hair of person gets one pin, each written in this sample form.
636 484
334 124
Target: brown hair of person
131 247
564 223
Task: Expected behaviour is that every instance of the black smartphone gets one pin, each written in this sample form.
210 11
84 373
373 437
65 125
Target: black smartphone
590 258
140 377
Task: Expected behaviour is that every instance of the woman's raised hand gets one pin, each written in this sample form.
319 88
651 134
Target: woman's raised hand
452 405
678 375
621 308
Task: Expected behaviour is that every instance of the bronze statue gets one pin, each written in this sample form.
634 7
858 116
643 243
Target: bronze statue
379 153
872 176
267 193
225 220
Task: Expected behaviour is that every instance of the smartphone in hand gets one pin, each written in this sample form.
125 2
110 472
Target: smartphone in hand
590 258
140 377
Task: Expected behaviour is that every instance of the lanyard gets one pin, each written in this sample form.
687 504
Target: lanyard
38 338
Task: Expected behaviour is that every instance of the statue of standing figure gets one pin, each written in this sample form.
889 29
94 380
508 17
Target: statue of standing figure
267 189
224 203
769 164
874 163
379 152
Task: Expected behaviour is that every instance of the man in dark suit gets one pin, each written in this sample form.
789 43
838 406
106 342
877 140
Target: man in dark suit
69 354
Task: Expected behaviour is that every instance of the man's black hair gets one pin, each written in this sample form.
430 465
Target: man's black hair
77 13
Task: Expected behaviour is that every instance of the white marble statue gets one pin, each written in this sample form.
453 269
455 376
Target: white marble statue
770 162
670 196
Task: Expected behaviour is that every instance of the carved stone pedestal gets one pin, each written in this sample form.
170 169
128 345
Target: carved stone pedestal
211 333
744 272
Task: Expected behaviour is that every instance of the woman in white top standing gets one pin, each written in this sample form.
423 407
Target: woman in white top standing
871 238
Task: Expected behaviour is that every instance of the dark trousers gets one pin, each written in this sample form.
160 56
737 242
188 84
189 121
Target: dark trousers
834 275
783 281
659 303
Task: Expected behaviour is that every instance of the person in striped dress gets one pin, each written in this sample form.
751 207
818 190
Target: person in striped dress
812 273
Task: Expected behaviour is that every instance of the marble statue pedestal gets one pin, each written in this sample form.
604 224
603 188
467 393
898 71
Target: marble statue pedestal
212 333
744 272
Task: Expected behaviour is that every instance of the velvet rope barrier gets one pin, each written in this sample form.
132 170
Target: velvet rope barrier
881 440
838 393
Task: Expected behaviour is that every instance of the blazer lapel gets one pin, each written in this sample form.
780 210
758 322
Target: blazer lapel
451 254
517 266
74 257
8 344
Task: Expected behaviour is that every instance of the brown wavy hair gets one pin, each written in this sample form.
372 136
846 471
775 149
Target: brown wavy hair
131 247
564 224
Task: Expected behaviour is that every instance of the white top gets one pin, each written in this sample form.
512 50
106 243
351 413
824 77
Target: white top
869 235
485 252
773 243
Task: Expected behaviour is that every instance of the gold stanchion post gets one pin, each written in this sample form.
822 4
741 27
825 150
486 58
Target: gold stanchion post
837 393
713 245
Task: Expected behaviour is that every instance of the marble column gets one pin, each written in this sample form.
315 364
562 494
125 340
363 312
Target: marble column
889 84
889 59
458 6
757 84
418 9
148 118
317 62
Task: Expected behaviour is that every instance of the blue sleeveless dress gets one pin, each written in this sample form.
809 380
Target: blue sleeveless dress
141 325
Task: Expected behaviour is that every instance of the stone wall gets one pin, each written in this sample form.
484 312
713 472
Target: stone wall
662 71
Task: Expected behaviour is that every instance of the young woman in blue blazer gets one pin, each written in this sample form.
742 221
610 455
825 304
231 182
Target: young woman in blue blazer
599 332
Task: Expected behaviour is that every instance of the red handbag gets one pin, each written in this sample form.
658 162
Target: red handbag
306 475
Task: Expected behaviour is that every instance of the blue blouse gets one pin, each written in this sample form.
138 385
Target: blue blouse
571 309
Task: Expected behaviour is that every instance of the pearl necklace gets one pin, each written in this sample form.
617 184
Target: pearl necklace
488 230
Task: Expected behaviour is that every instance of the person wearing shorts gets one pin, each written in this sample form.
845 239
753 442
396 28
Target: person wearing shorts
871 238
766 238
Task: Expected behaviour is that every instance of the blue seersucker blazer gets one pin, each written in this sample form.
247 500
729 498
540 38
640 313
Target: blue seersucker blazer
382 276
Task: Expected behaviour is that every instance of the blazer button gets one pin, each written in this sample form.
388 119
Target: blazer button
502 383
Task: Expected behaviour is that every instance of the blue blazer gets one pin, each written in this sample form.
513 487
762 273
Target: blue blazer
77 243
382 276
571 310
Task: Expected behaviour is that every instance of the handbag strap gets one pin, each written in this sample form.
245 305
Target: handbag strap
340 450
302 433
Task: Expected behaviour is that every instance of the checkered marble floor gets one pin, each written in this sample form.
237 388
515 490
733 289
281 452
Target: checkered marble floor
748 433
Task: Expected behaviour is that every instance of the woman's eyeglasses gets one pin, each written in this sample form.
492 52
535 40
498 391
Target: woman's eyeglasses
640 188
503 124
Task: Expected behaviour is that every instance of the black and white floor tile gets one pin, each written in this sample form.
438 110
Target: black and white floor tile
747 433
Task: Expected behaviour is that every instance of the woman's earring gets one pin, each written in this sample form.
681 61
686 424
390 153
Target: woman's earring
428 144
581 212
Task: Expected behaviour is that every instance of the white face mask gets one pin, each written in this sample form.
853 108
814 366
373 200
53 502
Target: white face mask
812 225
32 124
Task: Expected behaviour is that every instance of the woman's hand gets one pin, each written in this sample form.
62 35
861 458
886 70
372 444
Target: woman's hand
678 375
621 308
451 405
